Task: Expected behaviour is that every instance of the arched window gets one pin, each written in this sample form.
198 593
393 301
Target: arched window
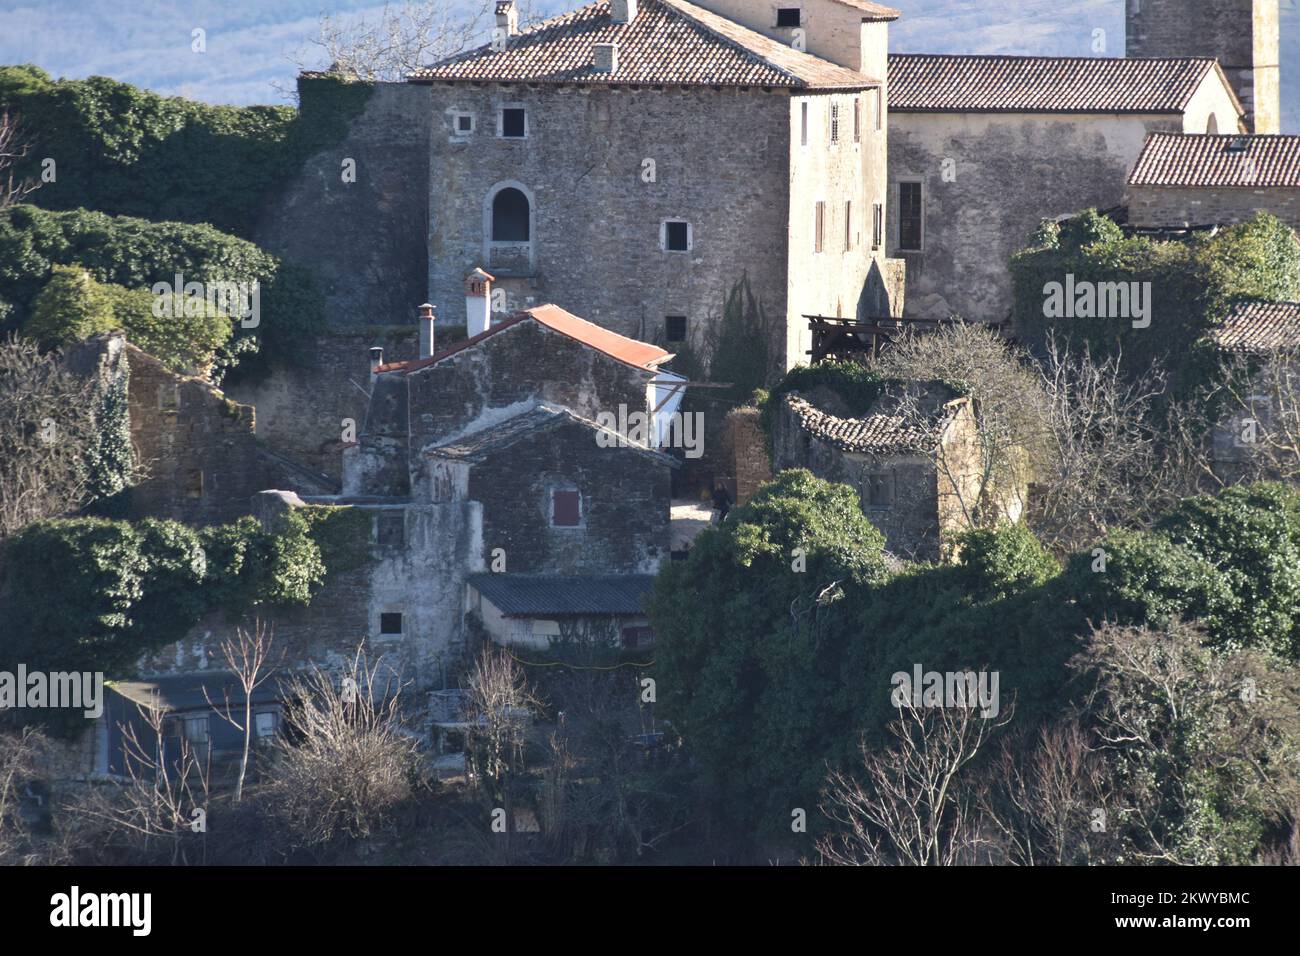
510 216
1212 126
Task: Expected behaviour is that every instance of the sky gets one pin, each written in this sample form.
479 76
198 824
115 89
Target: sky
253 46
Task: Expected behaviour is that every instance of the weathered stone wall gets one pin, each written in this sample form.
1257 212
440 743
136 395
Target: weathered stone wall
1008 172
196 445
746 448
365 240
1242 34
1152 206
720 163
301 411
625 498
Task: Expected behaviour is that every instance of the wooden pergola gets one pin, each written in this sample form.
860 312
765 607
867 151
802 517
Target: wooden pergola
857 340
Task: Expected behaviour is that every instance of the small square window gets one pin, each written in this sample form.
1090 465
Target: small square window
196 730
677 236
390 529
566 509
787 16
169 396
464 123
390 622
675 328
266 722
514 124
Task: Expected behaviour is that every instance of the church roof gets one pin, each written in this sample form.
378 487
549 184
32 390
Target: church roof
1177 159
935 83
669 43
632 352
1260 327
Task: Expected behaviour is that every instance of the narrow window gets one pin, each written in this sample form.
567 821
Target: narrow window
390 622
196 730
877 224
803 128
194 484
880 109
514 123
848 225
879 491
819 226
835 123
266 723
510 216
909 217
675 328
390 530
676 235
566 509
787 16
857 119
169 396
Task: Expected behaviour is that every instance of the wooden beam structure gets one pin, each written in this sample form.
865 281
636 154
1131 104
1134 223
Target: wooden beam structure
859 340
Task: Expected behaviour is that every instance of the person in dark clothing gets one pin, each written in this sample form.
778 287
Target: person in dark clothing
721 501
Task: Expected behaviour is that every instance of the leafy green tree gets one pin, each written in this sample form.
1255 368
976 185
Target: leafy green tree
70 308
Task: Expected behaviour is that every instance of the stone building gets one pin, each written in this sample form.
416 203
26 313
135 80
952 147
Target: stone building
631 161
983 148
1187 181
197 450
914 462
1243 35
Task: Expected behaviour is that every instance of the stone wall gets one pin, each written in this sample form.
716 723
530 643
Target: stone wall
624 495
720 162
1008 172
747 455
365 240
1163 206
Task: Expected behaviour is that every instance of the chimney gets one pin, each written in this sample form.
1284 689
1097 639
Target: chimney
622 11
376 360
508 17
426 330
606 58
478 302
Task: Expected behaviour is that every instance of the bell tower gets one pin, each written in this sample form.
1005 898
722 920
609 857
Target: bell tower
1242 34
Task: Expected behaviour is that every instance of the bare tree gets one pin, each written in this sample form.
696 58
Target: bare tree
19 754
498 707
246 655
403 37
163 799
47 426
1259 399
14 148
345 762
909 805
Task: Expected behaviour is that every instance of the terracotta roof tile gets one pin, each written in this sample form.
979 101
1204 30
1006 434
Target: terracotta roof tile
669 42
641 355
926 82
875 434
1177 159
1260 327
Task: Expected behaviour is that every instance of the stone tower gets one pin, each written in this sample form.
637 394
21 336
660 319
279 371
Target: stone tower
1242 34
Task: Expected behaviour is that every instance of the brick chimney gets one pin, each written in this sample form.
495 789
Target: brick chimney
508 17
426 330
622 11
605 59
478 302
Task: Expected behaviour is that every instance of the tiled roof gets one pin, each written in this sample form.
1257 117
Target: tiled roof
184 692
876 434
494 436
873 11
641 355
669 42
535 595
927 82
1260 327
1177 159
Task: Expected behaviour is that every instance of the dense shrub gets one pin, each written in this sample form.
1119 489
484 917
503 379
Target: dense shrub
136 254
71 307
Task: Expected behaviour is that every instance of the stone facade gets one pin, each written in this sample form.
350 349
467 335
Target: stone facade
989 179
1172 207
1243 35
746 452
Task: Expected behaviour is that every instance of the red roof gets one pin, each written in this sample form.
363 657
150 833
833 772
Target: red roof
641 355
1175 159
